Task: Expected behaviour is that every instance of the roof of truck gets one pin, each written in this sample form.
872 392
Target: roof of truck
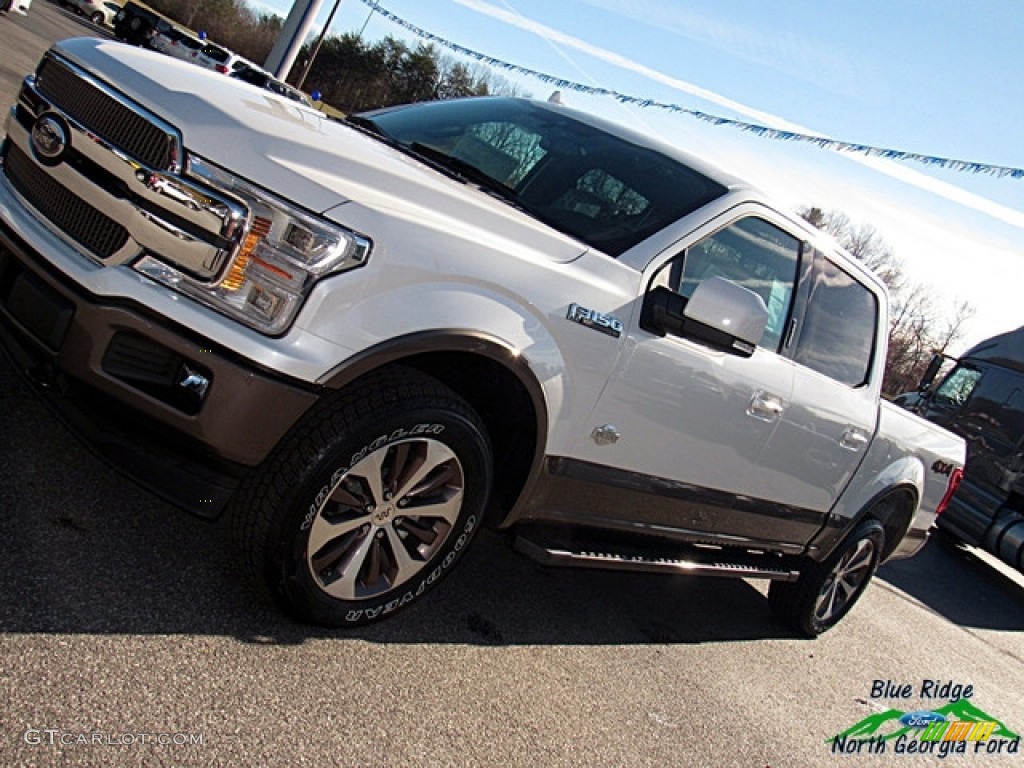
1006 349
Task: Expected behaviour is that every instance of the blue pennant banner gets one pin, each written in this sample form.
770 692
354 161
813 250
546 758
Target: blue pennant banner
759 130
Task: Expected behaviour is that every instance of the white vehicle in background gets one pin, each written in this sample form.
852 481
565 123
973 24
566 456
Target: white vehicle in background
175 42
99 12
219 59
21 6
259 77
182 44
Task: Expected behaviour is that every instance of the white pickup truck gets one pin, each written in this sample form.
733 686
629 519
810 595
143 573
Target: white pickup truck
368 339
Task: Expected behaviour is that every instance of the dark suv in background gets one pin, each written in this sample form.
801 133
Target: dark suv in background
136 24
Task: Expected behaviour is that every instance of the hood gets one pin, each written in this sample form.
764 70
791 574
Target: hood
299 154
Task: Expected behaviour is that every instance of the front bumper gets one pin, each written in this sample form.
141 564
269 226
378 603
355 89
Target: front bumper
181 415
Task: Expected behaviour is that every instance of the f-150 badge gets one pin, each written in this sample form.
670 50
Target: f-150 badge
591 319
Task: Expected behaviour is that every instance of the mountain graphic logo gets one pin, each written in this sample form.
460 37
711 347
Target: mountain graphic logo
887 726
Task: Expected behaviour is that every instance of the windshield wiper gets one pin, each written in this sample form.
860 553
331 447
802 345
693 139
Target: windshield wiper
452 167
366 124
467 170
370 128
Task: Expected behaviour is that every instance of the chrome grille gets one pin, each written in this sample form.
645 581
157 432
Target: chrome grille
106 116
94 231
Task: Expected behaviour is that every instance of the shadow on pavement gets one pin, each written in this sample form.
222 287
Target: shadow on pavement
86 551
954 581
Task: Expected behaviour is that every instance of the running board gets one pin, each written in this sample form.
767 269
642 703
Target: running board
613 562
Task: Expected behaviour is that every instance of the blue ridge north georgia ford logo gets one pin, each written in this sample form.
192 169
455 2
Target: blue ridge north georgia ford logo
50 139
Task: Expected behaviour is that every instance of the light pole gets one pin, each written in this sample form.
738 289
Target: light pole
316 46
296 29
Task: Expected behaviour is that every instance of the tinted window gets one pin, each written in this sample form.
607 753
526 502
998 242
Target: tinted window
954 391
839 325
253 76
755 254
601 188
217 54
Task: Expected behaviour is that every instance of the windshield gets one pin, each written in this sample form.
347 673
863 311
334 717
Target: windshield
608 192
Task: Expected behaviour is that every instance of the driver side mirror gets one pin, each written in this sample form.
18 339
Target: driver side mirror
930 373
721 314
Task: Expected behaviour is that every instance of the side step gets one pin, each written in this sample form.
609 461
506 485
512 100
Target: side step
614 562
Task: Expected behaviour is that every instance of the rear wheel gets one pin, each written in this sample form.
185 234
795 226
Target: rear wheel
97 18
826 591
369 502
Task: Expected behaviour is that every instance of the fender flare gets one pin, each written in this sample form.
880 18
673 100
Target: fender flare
904 476
415 349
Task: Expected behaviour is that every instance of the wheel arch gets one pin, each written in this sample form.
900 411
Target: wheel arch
895 510
894 507
489 374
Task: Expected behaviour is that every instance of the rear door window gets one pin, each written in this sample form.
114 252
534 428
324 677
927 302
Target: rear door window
839 325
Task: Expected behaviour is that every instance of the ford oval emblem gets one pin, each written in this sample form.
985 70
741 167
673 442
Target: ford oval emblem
921 719
50 139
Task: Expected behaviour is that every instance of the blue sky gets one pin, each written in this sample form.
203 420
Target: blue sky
937 77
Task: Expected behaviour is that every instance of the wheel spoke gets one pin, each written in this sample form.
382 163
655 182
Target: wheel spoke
420 530
345 586
437 454
322 531
847 587
344 498
374 565
371 470
827 601
407 567
861 558
846 578
399 460
447 509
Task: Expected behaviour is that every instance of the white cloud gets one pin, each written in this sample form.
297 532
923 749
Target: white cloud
776 49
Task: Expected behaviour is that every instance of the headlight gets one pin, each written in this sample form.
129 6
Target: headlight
285 251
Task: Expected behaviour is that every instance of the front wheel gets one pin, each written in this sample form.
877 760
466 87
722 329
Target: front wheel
826 591
369 502
97 18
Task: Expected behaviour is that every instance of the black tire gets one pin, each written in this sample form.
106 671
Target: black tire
369 501
97 19
826 591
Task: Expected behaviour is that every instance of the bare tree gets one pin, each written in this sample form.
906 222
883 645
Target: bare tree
917 327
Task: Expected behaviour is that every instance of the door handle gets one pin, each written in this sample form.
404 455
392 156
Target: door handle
765 406
853 439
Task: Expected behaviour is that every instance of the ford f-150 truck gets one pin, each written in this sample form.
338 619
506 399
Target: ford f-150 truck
365 340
